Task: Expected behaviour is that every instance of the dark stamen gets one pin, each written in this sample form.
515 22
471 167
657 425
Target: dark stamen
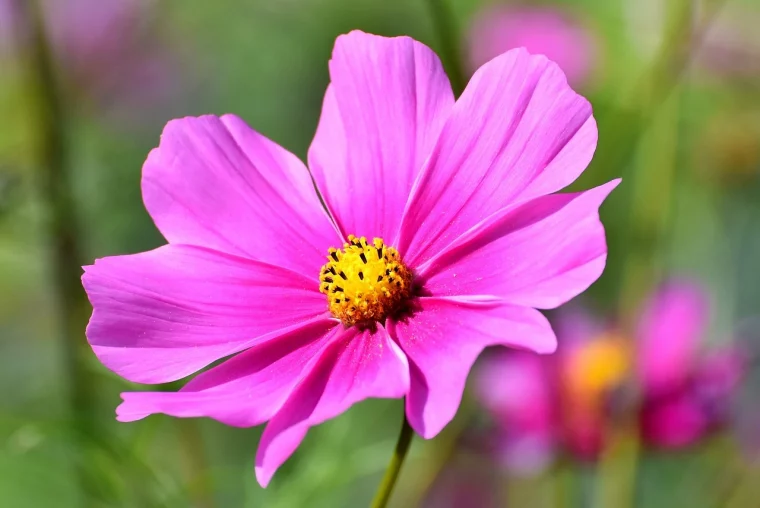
332 271
343 275
379 253
337 289
328 280
379 278
364 258
361 275
334 255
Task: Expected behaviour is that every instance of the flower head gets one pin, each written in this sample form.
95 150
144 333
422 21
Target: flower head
687 392
441 236
565 400
540 30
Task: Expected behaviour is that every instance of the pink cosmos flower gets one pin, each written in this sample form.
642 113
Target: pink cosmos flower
459 239
542 404
686 393
544 31
559 402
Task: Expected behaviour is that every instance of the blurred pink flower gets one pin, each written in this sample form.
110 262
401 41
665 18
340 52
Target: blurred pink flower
686 391
520 393
565 400
540 30
107 50
457 188
687 411
668 336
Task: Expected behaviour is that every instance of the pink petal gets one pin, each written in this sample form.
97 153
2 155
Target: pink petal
517 132
669 334
444 338
244 391
215 182
162 315
356 365
382 113
539 254
674 421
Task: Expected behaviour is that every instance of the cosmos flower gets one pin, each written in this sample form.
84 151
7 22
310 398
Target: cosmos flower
687 391
540 30
541 405
458 240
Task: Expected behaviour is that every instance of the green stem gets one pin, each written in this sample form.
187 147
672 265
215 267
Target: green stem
448 41
385 489
652 185
54 188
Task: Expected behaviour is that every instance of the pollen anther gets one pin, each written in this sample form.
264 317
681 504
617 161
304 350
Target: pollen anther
374 282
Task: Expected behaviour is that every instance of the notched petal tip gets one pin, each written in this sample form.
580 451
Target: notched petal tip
356 35
126 412
538 59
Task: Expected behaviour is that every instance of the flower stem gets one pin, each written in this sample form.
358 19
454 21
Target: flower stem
448 40
53 182
385 489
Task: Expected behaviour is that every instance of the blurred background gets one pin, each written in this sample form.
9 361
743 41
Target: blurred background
652 398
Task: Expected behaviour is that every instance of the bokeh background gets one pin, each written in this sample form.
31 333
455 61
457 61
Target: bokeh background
85 89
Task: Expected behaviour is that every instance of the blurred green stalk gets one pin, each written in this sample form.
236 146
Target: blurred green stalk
449 43
651 183
385 489
624 124
54 188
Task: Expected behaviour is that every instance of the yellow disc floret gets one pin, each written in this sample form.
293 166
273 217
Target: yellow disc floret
597 367
364 282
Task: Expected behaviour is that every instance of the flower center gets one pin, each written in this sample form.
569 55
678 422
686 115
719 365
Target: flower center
597 367
364 282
